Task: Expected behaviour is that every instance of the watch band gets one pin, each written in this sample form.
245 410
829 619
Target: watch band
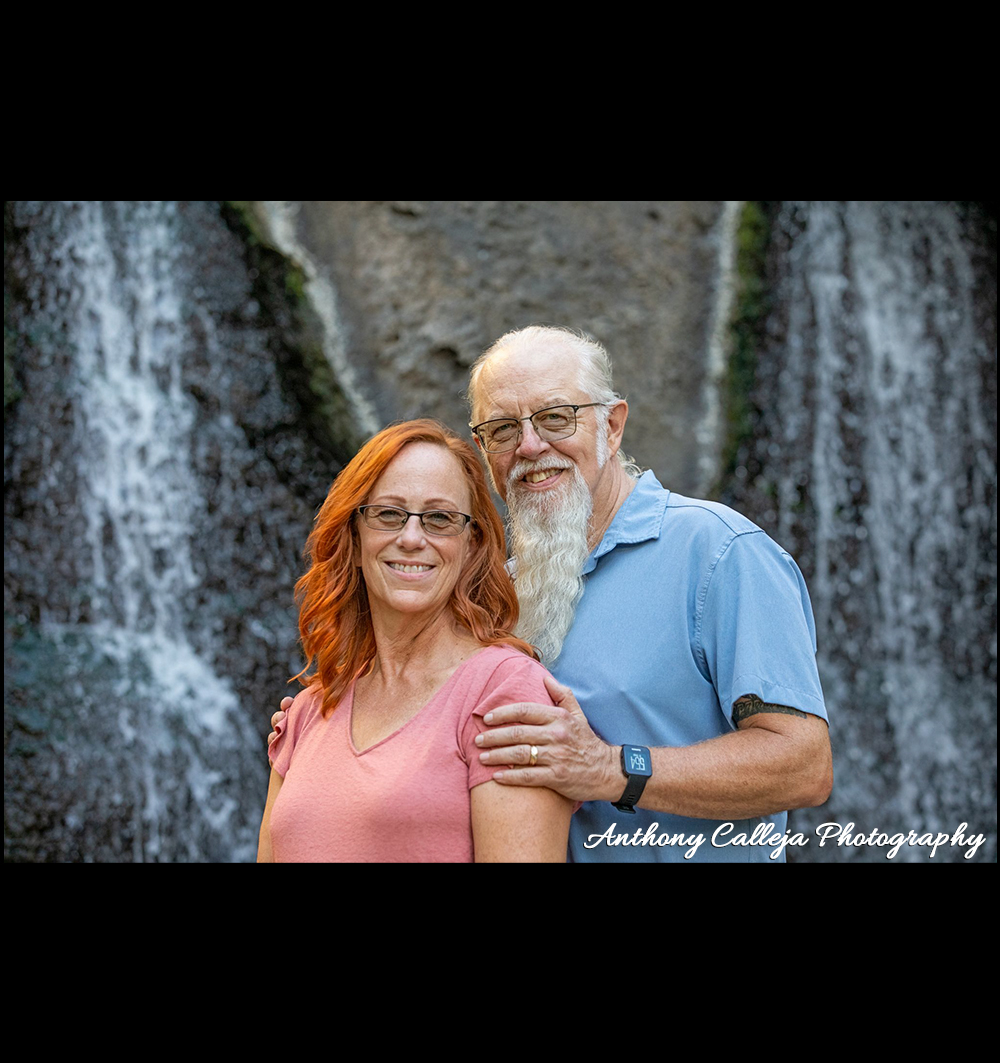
637 767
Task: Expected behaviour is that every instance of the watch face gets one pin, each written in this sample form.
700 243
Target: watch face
636 760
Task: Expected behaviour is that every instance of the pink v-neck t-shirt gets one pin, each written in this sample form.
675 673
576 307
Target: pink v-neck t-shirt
406 798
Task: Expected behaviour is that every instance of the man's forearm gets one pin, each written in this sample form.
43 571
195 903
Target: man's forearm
754 771
778 758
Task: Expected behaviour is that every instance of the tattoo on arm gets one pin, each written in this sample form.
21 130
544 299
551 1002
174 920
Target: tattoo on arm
750 705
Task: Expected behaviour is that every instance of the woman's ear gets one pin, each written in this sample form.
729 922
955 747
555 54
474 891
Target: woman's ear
477 543
355 544
478 539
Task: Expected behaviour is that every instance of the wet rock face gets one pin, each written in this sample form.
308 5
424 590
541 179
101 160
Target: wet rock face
423 288
874 464
158 489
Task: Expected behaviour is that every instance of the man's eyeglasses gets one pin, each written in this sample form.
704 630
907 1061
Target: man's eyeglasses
554 422
433 521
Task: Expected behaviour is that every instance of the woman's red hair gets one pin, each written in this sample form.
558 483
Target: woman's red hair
334 621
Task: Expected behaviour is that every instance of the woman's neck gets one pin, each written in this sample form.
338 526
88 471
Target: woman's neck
418 645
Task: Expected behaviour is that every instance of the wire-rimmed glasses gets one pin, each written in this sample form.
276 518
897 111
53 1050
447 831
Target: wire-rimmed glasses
433 521
554 422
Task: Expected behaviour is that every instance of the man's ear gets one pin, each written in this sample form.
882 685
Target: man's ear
617 417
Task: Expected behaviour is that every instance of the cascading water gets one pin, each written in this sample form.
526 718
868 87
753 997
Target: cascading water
878 386
138 499
156 754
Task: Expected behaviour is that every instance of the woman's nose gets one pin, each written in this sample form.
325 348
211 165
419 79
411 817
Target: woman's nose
412 532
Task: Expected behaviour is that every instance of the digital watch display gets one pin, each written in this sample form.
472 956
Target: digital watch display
637 767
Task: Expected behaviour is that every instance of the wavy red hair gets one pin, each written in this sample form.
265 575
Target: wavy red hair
334 620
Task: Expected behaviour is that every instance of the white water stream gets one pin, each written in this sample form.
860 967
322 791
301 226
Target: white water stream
128 313
880 410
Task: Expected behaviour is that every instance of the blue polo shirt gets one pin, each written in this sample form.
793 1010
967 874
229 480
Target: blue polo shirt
687 606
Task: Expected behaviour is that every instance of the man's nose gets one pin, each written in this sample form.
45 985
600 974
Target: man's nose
532 445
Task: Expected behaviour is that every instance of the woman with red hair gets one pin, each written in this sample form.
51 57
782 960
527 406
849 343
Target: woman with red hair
406 616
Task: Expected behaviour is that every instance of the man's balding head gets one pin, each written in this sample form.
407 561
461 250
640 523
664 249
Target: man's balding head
594 365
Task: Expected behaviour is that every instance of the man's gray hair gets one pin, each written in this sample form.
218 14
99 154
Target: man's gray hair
595 366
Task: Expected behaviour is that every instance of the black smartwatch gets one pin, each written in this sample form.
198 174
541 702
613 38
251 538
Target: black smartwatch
637 767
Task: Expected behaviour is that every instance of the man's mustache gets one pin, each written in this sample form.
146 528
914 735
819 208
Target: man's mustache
525 465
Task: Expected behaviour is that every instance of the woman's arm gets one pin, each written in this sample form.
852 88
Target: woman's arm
264 854
519 825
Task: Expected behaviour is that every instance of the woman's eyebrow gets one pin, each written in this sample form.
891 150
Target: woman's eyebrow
431 503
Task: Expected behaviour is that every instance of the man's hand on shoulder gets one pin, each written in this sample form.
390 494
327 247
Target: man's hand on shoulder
553 746
277 718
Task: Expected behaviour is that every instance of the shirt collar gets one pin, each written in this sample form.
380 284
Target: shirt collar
640 517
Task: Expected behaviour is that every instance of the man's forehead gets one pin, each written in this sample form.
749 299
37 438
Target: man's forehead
534 375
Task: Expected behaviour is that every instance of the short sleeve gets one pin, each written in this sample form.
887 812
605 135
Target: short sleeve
517 678
757 632
279 753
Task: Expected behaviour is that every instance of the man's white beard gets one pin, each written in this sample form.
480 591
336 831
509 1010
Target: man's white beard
549 541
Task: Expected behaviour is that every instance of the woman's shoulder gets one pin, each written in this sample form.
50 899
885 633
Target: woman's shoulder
505 659
504 670
308 700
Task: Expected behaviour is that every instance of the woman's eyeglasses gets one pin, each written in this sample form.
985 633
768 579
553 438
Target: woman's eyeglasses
433 521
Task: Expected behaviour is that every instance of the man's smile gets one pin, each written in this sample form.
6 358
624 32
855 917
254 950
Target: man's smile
542 474
539 476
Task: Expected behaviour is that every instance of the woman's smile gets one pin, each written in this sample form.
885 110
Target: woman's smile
409 568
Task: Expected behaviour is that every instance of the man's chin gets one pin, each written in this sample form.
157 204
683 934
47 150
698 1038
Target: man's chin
558 485
533 498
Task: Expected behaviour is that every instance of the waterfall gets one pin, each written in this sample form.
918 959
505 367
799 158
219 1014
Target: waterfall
281 220
709 427
135 664
878 385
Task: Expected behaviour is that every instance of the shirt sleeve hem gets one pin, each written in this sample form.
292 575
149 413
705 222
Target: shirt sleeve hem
772 693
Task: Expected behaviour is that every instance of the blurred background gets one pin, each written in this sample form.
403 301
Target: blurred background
182 382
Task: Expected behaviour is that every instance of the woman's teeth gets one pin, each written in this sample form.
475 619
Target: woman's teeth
409 568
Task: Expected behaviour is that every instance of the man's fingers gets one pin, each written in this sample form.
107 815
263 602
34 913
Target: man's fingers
511 736
275 720
521 712
509 756
560 693
523 777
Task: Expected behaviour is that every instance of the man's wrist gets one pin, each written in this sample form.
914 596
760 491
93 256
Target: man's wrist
636 768
615 780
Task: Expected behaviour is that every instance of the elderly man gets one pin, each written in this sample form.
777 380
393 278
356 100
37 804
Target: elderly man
689 712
